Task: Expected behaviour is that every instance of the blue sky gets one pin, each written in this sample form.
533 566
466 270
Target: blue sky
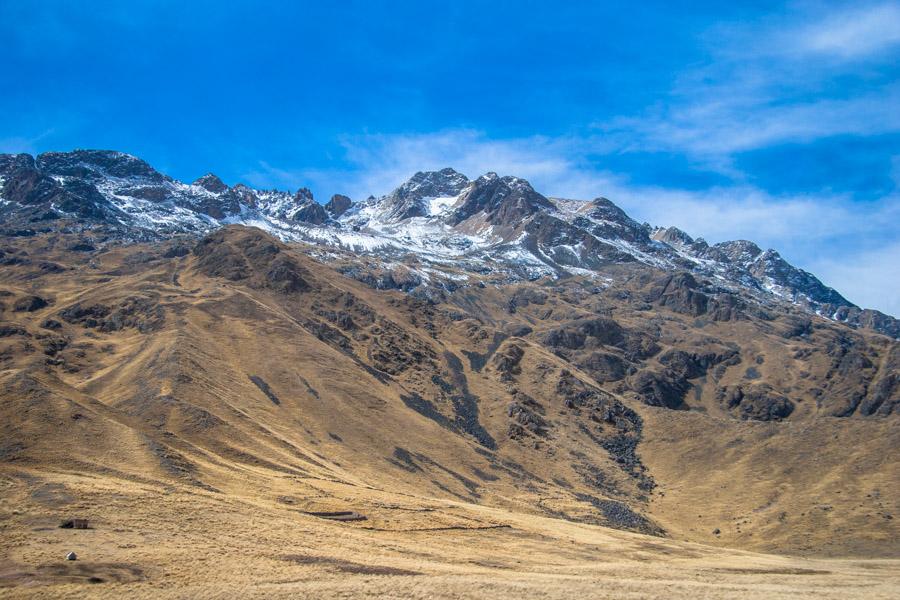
777 122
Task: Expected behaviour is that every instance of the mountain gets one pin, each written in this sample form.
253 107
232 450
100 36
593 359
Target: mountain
440 235
453 226
416 197
506 393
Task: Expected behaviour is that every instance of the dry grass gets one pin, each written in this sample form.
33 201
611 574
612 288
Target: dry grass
167 435
150 541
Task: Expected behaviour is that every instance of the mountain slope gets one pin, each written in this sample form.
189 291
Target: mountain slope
516 392
207 363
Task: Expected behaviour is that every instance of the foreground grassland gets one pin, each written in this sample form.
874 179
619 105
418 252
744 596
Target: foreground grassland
150 541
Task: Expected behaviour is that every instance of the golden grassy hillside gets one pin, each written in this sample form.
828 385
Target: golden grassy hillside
198 402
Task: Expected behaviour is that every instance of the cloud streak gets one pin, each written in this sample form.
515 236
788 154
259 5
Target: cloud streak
849 34
764 84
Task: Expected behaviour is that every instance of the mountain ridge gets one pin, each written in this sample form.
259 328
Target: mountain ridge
441 218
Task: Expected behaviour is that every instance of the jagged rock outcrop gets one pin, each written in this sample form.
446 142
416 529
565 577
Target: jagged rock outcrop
689 365
338 205
755 402
500 200
607 221
660 388
138 312
526 416
412 198
97 165
211 183
308 210
604 366
678 239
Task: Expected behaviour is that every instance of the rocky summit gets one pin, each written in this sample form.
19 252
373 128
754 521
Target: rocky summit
456 231
464 381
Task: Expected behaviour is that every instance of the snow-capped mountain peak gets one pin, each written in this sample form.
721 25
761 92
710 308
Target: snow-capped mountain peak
414 198
452 228
211 183
503 201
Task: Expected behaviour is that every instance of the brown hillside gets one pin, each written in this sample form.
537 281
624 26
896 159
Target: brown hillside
593 437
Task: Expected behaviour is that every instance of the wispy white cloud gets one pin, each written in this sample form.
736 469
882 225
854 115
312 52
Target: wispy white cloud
384 161
823 31
852 33
769 83
715 128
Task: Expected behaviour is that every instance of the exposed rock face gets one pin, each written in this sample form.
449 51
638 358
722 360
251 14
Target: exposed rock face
743 260
97 165
221 203
308 210
507 362
756 402
502 200
245 196
568 245
865 318
610 424
211 183
410 199
138 312
675 238
525 414
771 267
250 256
657 388
604 366
738 251
885 396
338 205
689 365
598 331
681 293
607 221
26 184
